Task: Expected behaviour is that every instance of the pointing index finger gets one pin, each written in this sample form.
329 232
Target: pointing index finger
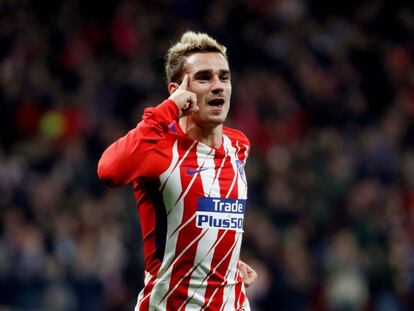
184 84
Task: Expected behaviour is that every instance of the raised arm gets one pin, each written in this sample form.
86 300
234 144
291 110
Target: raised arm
128 157
131 156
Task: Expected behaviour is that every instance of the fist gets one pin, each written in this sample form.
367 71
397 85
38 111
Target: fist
185 100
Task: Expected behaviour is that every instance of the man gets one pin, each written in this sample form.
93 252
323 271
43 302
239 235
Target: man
187 172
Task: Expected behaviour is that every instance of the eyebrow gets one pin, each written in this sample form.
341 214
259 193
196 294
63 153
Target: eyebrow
209 71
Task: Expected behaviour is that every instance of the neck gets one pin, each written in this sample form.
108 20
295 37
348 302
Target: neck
210 136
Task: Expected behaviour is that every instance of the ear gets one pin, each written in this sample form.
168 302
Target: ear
172 86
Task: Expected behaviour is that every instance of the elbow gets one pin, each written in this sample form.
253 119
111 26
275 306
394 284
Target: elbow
106 175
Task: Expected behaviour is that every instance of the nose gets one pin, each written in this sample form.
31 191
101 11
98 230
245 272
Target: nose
217 85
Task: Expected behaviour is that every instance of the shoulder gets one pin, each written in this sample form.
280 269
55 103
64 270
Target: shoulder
236 135
239 142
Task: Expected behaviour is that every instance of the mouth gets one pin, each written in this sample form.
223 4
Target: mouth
216 103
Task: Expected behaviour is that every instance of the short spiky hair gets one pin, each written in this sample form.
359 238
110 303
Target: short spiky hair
189 43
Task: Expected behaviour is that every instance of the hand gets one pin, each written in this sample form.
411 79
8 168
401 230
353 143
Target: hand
247 273
185 100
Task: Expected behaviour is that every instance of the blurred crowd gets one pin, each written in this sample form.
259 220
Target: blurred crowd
324 91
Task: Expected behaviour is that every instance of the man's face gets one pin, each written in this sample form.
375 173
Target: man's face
210 80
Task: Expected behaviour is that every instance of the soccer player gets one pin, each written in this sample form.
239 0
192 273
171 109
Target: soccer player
187 172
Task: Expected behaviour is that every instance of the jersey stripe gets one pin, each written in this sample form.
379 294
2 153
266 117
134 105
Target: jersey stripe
174 164
185 276
232 273
219 287
204 251
164 180
185 265
171 189
221 260
197 291
143 303
201 165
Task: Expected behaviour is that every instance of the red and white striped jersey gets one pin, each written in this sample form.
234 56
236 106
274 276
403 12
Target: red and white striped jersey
191 199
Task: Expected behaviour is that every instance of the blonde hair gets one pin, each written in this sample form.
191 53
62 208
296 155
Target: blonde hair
190 43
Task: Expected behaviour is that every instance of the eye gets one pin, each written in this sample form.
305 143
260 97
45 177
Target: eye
225 77
203 77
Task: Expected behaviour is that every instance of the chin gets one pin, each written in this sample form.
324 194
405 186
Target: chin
217 121
210 122
210 119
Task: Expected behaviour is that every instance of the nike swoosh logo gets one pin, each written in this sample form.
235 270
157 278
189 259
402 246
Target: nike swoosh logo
193 172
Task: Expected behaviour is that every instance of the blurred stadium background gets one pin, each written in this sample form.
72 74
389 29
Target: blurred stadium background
324 90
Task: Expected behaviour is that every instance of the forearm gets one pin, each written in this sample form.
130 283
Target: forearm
123 161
